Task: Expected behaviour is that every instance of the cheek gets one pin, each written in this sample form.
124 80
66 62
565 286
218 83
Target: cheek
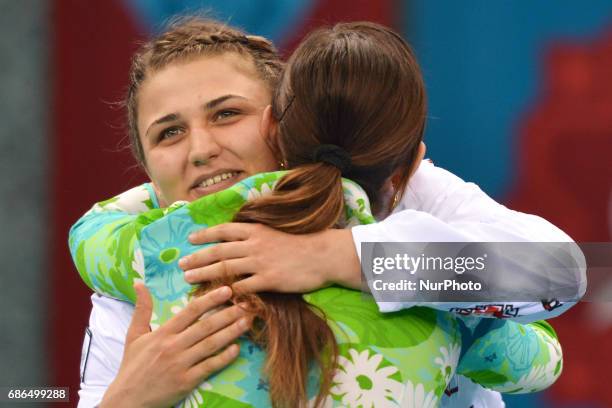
247 145
163 168
259 156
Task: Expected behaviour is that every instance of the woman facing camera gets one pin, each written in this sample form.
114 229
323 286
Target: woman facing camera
323 124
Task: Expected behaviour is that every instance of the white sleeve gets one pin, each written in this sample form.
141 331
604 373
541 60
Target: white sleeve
458 210
103 347
440 207
463 392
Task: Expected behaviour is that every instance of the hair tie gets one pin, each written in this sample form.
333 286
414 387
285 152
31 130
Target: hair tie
334 155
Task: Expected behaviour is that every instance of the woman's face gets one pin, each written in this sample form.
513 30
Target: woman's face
199 123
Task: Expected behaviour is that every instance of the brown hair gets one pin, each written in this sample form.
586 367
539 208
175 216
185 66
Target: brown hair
356 86
188 37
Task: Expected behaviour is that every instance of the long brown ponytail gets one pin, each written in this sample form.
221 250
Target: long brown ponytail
308 199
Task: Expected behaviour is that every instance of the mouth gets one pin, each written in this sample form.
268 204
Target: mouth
216 182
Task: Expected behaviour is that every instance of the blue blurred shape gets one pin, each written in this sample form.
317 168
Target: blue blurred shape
482 64
273 19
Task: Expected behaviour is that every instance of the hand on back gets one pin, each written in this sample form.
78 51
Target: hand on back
271 260
160 368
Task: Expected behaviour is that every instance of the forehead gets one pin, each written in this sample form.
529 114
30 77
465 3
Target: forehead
201 79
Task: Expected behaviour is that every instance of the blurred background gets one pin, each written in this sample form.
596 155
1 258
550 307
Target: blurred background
520 97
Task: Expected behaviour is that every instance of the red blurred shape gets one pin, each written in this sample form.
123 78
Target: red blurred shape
92 45
565 174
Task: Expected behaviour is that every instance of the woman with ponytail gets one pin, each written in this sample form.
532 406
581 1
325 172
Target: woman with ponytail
327 125
331 346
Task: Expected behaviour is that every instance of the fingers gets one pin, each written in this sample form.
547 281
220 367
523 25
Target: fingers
196 308
211 324
213 253
215 342
234 231
252 284
206 368
219 270
142 313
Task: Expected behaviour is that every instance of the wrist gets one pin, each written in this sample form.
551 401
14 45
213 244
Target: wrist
119 398
344 267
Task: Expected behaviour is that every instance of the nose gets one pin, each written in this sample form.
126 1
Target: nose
203 147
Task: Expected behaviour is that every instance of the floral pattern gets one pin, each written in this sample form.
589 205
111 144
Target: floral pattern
448 361
360 381
488 361
255 193
138 263
195 398
539 377
163 243
406 358
133 201
414 396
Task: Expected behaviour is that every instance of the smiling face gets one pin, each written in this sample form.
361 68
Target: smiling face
199 124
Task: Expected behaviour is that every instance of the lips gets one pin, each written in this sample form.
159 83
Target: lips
210 183
217 179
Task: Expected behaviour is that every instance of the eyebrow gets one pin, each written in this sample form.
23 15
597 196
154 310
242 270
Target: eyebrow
218 101
212 104
164 119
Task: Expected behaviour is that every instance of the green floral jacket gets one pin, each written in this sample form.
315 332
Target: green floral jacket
405 358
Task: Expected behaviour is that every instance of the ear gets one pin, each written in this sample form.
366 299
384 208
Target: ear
268 128
419 158
398 176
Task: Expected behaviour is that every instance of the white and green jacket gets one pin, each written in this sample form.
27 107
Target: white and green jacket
411 354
